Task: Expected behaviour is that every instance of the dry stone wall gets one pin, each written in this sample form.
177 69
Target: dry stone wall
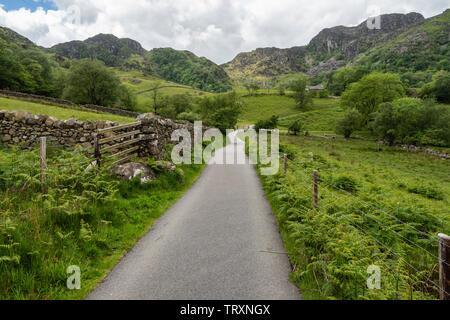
24 129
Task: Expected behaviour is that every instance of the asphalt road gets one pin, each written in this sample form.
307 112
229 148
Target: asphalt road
219 241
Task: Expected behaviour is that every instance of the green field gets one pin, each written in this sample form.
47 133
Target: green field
138 82
322 116
58 112
374 204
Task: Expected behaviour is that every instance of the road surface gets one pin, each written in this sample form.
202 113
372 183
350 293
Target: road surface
219 241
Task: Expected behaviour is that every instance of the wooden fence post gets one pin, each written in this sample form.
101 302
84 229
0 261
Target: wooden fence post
285 164
444 266
316 193
43 163
97 153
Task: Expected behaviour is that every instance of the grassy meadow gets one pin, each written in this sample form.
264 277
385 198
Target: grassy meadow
58 112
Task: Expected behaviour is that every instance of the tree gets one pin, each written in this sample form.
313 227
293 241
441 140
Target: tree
301 95
127 98
349 124
372 90
252 87
413 121
220 111
268 124
156 95
439 88
91 82
296 127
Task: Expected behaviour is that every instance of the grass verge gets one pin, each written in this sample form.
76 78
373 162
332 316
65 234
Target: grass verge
87 219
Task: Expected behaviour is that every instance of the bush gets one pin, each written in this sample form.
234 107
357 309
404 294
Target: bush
439 88
350 123
268 124
296 127
413 121
346 183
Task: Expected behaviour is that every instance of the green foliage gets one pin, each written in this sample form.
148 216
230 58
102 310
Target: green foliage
186 68
372 90
413 121
87 218
331 248
90 82
252 87
439 88
340 80
268 124
127 98
350 123
221 111
302 97
346 183
296 127
25 69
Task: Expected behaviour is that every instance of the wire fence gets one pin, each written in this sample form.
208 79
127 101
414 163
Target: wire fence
400 243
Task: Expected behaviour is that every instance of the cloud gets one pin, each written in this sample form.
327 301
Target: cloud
217 29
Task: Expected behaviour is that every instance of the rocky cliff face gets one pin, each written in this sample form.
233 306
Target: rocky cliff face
351 41
330 49
105 47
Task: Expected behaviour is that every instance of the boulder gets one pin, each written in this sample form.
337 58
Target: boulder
165 165
132 170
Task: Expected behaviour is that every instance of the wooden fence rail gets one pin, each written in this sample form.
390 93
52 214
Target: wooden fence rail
102 145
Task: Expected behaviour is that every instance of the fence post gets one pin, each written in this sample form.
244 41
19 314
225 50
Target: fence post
316 193
43 163
444 266
285 164
97 153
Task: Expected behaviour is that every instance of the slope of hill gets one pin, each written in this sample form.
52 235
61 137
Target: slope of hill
329 50
186 68
105 47
424 46
182 67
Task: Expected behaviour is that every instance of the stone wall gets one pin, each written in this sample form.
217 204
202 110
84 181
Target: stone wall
24 129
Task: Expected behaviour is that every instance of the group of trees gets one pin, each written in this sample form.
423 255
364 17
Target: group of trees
26 70
91 82
378 103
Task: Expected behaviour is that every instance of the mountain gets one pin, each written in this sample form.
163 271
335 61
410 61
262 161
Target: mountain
330 49
105 47
13 38
182 67
422 47
185 67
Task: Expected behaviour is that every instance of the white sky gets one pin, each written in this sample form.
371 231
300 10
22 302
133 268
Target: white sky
216 29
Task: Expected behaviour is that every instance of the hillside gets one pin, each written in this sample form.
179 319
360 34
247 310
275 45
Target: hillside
424 46
182 67
186 68
113 51
330 49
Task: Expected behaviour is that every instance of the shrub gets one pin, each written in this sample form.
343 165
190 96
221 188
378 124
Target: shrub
268 124
413 121
296 127
346 183
350 123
